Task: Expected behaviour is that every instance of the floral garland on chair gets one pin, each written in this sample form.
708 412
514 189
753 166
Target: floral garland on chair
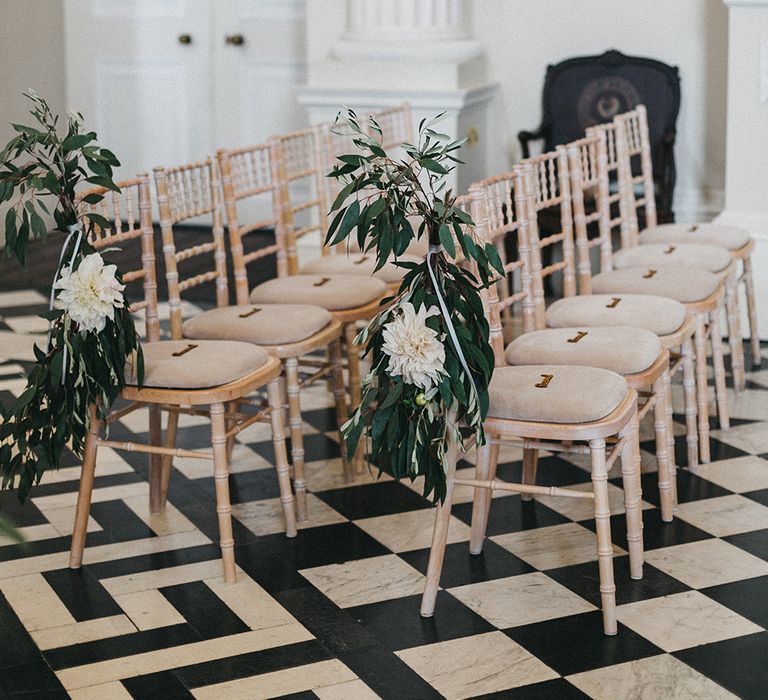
430 356
91 333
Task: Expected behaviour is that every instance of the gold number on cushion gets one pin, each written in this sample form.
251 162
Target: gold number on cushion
254 310
189 348
649 274
614 303
545 380
577 337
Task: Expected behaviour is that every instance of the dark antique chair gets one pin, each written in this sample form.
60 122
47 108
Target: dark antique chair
588 90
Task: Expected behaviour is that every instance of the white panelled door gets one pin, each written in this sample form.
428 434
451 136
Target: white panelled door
165 82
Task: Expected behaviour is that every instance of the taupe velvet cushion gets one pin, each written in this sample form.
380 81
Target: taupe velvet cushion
659 315
620 349
357 264
712 258
337 293
573 395
211 363
268 324
685 285
731 237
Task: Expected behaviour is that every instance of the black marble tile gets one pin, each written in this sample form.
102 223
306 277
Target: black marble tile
122 645
153 561
755 542
100 482
576 643
323 419
164 685
461 568
304 695
584 580
759 496
397 624
556 689
551 471
689 487
749 598
16 645
31 680
20 514
372 500
512 514
736 664
82 593
317 446
203 610
253 485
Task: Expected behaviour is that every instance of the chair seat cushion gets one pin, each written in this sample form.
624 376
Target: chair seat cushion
268 324
210 363
731 237
619 349
357 264
713 258
685 285
659 315
573 394
337 293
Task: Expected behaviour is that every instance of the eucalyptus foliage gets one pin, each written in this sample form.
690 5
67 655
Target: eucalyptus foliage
406 429
41 170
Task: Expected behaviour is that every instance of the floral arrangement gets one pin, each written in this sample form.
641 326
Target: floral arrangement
91 333
430 357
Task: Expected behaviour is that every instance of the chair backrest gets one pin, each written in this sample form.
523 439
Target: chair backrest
129 213
396 125
639 179
249 176
185 193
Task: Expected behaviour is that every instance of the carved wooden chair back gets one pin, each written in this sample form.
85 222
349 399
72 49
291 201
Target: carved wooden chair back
249 182
129 213
184 193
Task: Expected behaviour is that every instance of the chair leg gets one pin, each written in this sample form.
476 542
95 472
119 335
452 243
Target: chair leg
754 333
718 360
340 399
670 437
603 529
156 495
275 398
689 392
481 504
733 318
662 449
353 362
630 473
221 482
167 460
230 420
83 509
296 426
702 386
439 538
530 463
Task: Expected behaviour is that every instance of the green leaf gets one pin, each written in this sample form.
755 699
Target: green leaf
447 240
433 165
348 222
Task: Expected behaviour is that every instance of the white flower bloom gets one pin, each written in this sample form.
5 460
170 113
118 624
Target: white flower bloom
415 352
91 293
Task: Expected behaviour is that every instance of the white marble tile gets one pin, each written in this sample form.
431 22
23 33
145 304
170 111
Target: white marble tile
652 678
751 437
27 325
706 563
750 405
114 691
553 547
86 631
21 297
171 576
35 602
325 475
266 516
31 533
725 515
351 690
470 666
366 580
520 600
14 346
63 520
739 474
148 609
403 532
584 508
167 522
684 620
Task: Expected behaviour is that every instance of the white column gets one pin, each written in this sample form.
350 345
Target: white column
746 167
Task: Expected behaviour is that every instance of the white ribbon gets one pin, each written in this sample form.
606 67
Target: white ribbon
72 229
444 311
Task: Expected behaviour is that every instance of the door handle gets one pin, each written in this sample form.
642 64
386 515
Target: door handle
235 39
185 39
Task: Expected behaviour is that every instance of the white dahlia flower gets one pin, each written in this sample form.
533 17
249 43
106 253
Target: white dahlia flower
415 352
91 293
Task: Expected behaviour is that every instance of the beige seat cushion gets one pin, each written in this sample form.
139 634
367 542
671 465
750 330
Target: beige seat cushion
620 349
731 237
210 363
713 258
659 315
357 264
684 285
270 324
337 293
573 395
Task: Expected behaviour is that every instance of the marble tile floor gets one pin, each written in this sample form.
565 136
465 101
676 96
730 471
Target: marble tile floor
333 613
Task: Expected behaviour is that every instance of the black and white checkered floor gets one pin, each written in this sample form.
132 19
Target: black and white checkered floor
333 613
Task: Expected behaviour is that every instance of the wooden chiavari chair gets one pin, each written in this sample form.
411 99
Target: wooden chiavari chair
286 331
696 241
557 408
701 292
181 377
634 353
